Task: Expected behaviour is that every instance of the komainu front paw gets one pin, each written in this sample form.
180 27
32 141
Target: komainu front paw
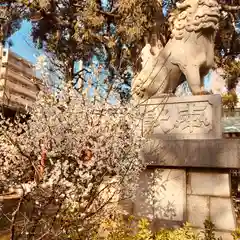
139 90
204 92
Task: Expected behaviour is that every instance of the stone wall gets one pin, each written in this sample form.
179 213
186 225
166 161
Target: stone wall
162 196
209 197
171 197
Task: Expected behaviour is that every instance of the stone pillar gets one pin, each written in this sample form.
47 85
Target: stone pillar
188 174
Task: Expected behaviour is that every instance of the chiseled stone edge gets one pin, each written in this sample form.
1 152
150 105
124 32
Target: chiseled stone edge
211 153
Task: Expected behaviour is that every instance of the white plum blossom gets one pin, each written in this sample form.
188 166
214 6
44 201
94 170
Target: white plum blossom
84 155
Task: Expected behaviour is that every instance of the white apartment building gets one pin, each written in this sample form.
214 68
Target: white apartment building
18 83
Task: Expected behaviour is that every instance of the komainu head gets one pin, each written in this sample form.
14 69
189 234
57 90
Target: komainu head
194 16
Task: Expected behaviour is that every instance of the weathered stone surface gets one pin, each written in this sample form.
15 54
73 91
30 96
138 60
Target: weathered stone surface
208 183
222 213
161 195
218 153
142 207
197 210
170 194
224 235
190 117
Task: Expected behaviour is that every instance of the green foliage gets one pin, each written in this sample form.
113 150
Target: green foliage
74 29
227 40
209 231
232 72
120 229
236 234
184 233
230 100
10 20
144 233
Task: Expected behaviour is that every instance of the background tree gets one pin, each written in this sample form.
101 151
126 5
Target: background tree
11 15
228 44
115 31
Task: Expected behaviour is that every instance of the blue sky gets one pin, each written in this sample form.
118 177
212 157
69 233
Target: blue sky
22 43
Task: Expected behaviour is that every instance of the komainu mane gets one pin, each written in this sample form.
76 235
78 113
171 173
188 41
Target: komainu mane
190 51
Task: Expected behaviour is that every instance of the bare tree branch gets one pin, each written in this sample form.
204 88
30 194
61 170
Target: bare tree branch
14 216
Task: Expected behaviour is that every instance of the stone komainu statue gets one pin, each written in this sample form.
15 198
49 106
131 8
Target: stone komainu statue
190 51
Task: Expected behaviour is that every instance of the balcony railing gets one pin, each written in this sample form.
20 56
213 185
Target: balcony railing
20 89
21 78
16 101
20 69
13 57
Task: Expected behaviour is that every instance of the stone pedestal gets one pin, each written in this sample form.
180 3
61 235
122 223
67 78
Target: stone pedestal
188 174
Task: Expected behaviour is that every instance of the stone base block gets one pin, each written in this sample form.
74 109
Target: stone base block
171 197
224 235
222 213
209 197
197 210
161 195
209 184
